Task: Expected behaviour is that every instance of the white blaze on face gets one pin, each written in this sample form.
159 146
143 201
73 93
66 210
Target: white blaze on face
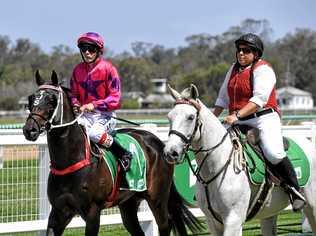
38 98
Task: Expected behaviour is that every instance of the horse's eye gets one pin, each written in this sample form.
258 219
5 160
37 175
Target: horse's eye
191 117
51 101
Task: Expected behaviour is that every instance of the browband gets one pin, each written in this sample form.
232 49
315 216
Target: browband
189 102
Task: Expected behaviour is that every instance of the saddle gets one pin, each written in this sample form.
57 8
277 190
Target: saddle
259 167
261 172
250 140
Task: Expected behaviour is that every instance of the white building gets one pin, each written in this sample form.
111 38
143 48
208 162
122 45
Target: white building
293 98
160 96
159 85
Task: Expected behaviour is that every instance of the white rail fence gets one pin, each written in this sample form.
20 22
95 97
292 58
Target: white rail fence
24 168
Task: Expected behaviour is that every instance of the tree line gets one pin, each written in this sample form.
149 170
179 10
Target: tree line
204 61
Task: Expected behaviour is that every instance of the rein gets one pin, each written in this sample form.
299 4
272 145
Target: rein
208 151
126 121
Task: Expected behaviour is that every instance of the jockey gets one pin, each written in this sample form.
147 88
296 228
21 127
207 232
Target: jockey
96 90
249 93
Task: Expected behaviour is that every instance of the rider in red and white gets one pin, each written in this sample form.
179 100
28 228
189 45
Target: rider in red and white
249 94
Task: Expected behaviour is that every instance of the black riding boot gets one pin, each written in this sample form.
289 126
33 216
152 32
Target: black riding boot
286 171
123 156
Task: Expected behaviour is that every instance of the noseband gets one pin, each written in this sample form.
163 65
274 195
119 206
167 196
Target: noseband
186 140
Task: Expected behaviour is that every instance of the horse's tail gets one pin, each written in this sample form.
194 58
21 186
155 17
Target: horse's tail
180 215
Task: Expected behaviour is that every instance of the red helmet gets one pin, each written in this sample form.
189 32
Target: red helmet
92 38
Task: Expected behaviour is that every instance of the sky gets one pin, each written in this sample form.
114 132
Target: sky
51 23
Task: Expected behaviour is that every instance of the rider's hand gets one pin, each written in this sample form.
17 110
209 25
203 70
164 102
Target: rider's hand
87 107
230 119
76 109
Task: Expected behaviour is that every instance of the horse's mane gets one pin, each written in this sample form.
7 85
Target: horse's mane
66 90
203 106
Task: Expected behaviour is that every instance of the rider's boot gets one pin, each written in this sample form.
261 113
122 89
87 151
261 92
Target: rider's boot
123 156
286 171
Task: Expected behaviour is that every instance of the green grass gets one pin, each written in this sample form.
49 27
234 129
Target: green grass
288 222
18 190
12 188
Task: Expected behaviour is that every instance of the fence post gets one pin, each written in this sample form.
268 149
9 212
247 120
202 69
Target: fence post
43 204
1 157
149 227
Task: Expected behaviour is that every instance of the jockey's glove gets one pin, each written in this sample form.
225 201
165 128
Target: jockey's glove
76 109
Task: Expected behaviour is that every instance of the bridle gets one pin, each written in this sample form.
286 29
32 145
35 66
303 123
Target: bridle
204 182
48 126
197 125
48 123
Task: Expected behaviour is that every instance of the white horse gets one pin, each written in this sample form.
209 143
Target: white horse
223 193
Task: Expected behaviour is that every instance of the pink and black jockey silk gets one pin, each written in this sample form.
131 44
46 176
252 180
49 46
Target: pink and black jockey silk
99 85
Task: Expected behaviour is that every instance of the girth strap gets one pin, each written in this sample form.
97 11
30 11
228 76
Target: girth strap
260 199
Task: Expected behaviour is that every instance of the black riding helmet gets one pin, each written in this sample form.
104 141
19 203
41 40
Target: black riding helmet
252 41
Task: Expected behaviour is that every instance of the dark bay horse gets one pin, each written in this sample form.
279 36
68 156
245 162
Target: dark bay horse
83 184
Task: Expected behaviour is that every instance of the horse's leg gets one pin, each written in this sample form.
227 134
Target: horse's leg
310 207
215 227
128 210
159 209
57 221
269 226
232 226
310 213
92 220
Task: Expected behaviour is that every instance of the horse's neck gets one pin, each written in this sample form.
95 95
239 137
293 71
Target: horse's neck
66 144
212 134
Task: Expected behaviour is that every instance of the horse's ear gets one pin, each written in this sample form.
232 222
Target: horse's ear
194 92
38 78
174 93
54 78
186 93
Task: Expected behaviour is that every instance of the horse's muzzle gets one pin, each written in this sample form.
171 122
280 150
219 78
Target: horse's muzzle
169 159
172 156
30 133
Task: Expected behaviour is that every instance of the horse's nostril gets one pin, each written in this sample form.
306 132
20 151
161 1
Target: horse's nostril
33 130
174 153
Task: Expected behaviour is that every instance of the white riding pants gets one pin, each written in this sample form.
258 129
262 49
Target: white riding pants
97 123
271 141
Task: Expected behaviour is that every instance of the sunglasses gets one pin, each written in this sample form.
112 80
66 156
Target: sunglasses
88 47
244 50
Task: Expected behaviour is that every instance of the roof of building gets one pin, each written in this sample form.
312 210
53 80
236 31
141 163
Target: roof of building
161 98
292 91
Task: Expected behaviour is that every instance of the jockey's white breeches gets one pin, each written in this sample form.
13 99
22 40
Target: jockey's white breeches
98 123
271 141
